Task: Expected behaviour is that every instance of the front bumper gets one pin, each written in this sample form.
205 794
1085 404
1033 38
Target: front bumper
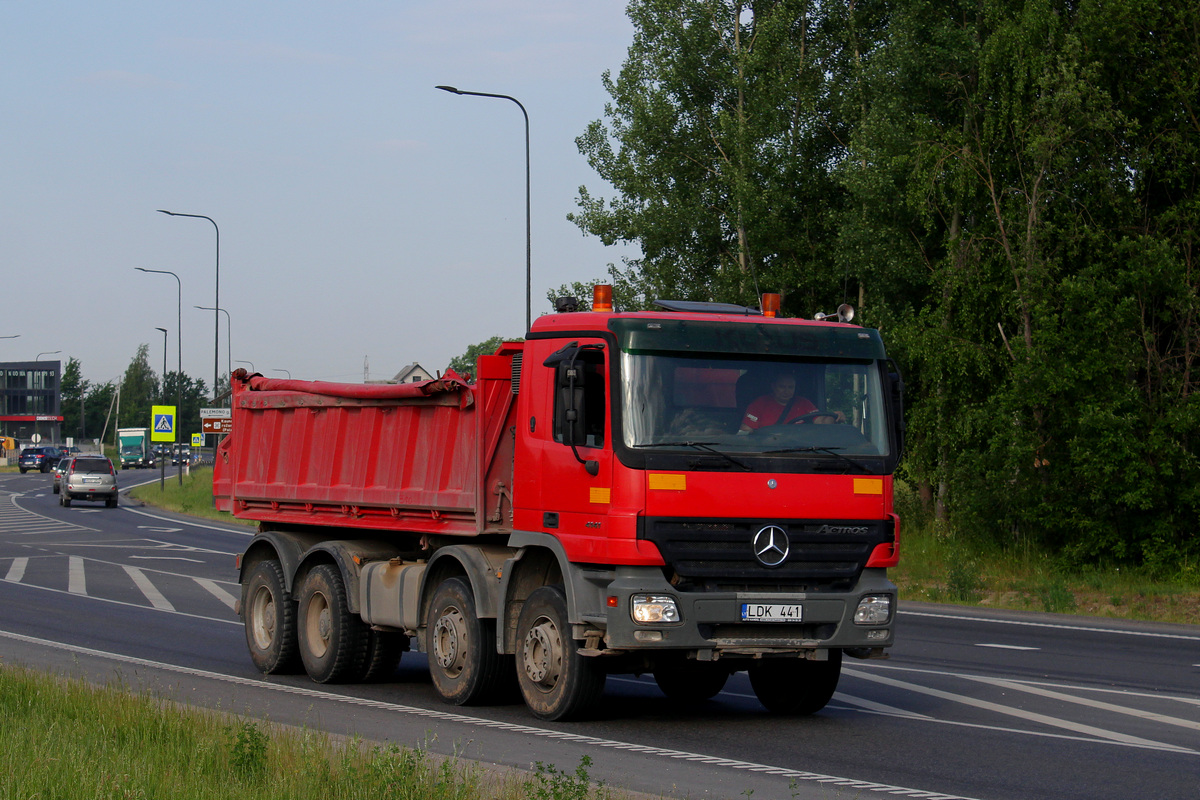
710 623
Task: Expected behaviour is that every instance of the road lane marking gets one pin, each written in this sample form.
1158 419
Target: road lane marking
1008 646
16 570
511 727
1084 701
149 589
215 589
1029 716
76 582
1056 626
247 531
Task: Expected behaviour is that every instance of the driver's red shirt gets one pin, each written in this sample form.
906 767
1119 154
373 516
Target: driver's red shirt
766 410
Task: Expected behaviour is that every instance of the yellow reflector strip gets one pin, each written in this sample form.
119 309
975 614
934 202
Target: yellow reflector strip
598 495
868 485
667 481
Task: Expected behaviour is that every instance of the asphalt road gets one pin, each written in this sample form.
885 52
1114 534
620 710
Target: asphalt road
973 703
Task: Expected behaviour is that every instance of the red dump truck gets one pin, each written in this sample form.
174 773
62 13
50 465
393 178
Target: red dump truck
614 494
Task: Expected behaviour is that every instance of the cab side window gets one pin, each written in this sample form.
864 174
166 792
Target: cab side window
579 396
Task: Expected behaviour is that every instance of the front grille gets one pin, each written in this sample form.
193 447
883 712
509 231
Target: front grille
751 634
719 555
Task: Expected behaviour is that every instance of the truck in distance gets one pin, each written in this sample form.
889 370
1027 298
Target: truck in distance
134 448
610 495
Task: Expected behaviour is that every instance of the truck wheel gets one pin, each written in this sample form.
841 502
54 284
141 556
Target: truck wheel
689 681
795 686
269 617
332 640
384 650
463 661
556 681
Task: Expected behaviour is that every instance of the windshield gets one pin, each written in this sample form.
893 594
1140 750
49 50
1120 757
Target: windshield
735 405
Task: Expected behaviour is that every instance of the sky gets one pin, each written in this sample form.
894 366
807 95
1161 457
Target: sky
366 220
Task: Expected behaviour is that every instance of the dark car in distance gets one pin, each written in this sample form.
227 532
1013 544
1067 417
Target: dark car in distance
42 459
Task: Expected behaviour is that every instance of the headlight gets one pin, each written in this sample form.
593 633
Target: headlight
653 608
873 610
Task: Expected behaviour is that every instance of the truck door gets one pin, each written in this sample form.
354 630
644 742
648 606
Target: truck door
569 452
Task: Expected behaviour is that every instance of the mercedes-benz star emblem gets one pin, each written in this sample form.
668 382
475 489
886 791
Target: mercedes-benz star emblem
771 546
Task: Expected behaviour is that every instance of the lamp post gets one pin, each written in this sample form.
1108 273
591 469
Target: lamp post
528 250
216 296
14 336
283 371
178 347
162 462
228 343
251 363
47 353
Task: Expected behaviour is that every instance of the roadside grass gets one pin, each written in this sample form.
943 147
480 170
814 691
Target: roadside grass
939 567
69 739
194 498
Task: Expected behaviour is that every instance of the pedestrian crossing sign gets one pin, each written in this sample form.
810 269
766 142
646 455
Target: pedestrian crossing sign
163 429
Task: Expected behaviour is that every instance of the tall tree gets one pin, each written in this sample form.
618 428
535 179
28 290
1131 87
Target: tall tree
72 396
722 133
139 390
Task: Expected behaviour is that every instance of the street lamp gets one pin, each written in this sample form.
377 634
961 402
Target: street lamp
228 343
47 353
283 371
14 336
216 295
528 252
251 363
162 463
178 345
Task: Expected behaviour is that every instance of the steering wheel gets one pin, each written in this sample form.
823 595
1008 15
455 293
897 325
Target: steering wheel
811 416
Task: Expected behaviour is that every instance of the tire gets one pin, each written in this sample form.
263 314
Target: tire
463 662
556 682
64 500
691 681
55 489
111 502
332 640
23 470
269 619
796 686
382 656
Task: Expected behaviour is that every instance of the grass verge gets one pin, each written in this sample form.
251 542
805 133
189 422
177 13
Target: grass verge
194 497
68 739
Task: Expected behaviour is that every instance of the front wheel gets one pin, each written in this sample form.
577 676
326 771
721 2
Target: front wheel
269 617
556 681
463 661
796 685
332 640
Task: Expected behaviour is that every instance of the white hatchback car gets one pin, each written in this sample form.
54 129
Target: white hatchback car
90 477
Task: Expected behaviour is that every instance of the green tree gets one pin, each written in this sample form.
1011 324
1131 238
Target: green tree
723 131
73 391
464 365
139 391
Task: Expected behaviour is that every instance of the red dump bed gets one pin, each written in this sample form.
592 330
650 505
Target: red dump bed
424 457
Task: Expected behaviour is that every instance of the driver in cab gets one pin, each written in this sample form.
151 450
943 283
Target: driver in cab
782 406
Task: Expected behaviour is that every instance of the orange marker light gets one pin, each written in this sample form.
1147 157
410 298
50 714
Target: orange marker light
602 297
770 304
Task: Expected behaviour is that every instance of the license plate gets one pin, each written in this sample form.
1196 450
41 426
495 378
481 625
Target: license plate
771 612
91 480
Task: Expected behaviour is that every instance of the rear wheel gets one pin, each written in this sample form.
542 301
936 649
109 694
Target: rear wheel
796 686
332 640
269 617
111 502
689 681
64 500
463 661
556 681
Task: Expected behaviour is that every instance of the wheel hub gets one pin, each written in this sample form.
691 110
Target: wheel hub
541 656
449 640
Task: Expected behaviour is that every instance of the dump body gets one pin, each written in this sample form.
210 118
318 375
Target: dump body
409 457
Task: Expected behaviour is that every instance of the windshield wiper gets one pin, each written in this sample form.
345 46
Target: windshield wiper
833 451
705 446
